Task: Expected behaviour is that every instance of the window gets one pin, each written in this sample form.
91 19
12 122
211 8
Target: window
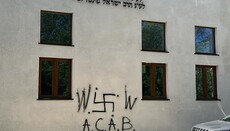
153 36
56 28
153 81
205 40
206 85
55 78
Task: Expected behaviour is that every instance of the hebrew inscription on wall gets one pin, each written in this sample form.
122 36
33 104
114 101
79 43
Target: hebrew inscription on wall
137 4
105 100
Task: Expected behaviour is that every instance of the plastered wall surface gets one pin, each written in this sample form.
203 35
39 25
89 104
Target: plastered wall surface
107 56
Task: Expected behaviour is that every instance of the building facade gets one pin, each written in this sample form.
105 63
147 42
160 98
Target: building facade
113 65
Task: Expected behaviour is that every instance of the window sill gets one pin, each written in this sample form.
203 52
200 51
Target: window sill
206 54
159 51
208 99
155 99
55 44
45 99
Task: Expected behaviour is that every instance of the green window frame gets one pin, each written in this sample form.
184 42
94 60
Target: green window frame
205 40
153 36
56 28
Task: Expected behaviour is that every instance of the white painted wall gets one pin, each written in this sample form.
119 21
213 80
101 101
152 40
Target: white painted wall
106 54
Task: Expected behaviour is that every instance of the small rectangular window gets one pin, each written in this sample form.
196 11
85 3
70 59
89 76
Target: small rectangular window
55 78
206 85
153 81
205 40
56 28
153 36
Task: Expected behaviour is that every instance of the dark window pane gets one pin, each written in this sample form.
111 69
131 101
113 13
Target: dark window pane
56 28
153 36
210 81
204 40
146 91
46 78
63 78
199 82
159 81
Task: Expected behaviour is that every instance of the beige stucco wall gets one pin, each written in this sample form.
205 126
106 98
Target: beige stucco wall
107 54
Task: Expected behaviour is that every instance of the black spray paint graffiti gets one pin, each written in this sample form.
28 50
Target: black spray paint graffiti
126 125
104 102
128 102
84 99
138 4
